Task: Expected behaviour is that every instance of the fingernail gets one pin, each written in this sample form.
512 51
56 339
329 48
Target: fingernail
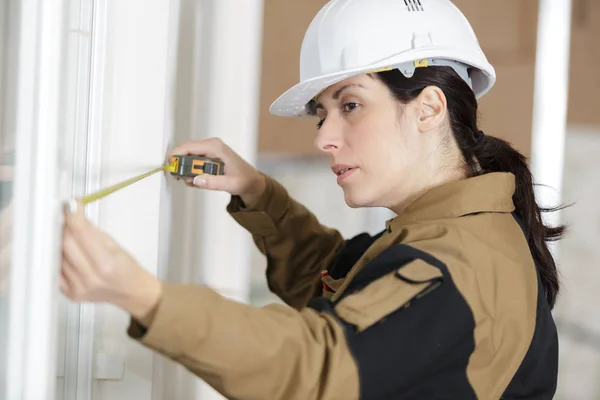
70 206
199 180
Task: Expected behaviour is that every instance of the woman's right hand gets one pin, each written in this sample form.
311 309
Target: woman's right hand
239 177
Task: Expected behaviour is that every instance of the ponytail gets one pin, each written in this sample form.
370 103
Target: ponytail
483 154
497 155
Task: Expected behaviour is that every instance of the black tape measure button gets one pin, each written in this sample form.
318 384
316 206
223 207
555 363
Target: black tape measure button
210 168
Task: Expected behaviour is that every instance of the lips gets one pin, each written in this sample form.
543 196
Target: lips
340 169
343 171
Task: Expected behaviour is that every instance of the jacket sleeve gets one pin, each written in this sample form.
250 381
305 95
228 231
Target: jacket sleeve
367 345
297 247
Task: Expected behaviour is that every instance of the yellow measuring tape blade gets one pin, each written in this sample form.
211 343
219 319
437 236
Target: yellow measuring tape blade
111 189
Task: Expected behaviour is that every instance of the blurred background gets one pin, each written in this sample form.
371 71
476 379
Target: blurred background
96 91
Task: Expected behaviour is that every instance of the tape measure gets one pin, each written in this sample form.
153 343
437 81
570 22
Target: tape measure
190 166
180 166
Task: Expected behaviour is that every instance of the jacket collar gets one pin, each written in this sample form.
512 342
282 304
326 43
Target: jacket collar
491 192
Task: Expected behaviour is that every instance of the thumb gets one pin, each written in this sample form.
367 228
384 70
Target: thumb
214 182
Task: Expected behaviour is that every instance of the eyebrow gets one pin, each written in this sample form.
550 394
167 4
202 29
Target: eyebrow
337 93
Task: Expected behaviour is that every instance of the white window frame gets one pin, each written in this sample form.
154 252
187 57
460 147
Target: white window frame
37 216
42 183
79 357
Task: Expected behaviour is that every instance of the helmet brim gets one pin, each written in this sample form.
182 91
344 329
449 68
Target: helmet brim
293 102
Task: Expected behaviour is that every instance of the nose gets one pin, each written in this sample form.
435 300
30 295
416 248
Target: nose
329 135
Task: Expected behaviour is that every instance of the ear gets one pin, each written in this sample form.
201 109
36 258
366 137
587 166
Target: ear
432 108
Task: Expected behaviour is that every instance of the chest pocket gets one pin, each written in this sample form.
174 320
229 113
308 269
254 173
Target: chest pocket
388 294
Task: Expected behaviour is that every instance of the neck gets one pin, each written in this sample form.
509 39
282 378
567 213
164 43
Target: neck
423 184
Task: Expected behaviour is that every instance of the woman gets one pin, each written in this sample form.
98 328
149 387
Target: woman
451 300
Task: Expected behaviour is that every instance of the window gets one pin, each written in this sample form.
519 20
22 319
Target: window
45 68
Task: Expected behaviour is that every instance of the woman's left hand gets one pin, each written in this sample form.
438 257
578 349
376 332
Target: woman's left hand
96 268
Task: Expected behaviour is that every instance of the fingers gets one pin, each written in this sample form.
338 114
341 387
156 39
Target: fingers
216 182
91 244
87 259
75 255
239 174
65 286
212 147
70 281
71 277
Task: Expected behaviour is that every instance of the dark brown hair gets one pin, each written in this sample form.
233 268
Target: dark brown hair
483 154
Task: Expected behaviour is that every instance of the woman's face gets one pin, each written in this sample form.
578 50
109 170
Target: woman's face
380 150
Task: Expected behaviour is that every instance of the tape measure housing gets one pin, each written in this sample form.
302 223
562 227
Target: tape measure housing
190 166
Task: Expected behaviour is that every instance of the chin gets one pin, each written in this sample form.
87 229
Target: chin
358 198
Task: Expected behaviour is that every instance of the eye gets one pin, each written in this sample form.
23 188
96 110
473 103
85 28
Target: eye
349 107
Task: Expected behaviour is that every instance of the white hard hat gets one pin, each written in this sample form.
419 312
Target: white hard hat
352 37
